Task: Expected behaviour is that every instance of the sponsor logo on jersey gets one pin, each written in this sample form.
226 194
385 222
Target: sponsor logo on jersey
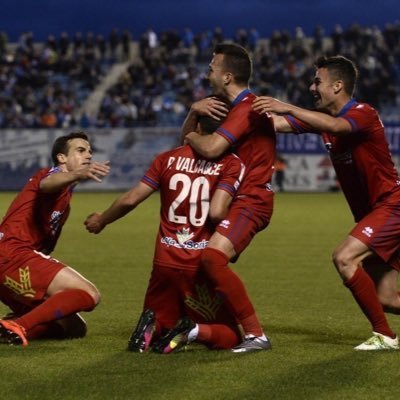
188 245
55 221
1 235
24 286
184 235
368 231
204 303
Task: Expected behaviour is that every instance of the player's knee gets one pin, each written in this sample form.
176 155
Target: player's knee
95 294
343 262
337 259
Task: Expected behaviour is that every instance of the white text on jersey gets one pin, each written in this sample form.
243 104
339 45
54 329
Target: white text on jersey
191 165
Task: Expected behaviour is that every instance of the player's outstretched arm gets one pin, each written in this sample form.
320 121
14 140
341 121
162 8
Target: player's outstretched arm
96 222
208 146
317 121
59 180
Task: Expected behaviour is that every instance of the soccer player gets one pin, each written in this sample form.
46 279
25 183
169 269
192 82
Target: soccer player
38 288
253 137
179 300
354 136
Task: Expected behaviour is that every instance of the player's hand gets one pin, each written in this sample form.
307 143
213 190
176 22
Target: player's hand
265 104
211 107
95 171
93 223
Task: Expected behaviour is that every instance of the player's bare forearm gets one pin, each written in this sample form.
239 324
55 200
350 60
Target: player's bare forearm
59 180
125 203
322 122
96 222
219 206
317 121
208 146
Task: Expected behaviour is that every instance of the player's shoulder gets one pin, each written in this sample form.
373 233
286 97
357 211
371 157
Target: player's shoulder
363 108
43 172
361 113
249 97
245 102
231 159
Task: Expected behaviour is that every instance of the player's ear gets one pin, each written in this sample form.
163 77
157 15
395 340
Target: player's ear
62 158
228 78
198 128
338 86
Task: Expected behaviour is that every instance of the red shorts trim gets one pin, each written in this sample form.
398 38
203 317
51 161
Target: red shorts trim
380 231
24 279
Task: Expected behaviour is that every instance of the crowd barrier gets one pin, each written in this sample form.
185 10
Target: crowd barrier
130 151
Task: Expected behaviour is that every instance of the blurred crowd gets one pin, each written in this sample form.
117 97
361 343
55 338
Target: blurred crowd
45 85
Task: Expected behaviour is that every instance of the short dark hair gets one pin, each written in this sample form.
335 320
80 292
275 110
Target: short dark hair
237 61
61 144
208 125
340 67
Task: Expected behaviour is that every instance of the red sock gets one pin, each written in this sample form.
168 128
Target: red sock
218 336
226 282
364 292
58 306
48 330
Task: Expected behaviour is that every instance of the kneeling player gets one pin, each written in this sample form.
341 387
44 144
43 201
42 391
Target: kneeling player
195 192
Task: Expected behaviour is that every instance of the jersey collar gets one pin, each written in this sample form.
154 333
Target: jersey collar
241 96
346 107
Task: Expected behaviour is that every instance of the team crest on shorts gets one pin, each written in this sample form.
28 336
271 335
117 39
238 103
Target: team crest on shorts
368 231
225 223
205 304
24 286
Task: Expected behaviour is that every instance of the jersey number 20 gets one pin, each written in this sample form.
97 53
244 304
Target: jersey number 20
199 194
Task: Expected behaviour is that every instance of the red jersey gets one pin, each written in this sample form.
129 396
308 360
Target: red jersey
361 159
187 182
254 140
34 219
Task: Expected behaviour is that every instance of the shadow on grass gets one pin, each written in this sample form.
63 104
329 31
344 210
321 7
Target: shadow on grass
202 374
308 363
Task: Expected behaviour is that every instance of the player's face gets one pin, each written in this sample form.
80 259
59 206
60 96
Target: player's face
322 89
79 154
216 74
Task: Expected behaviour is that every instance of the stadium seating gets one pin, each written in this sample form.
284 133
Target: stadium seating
92 81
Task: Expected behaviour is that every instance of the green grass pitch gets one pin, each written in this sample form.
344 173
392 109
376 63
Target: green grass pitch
310 316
